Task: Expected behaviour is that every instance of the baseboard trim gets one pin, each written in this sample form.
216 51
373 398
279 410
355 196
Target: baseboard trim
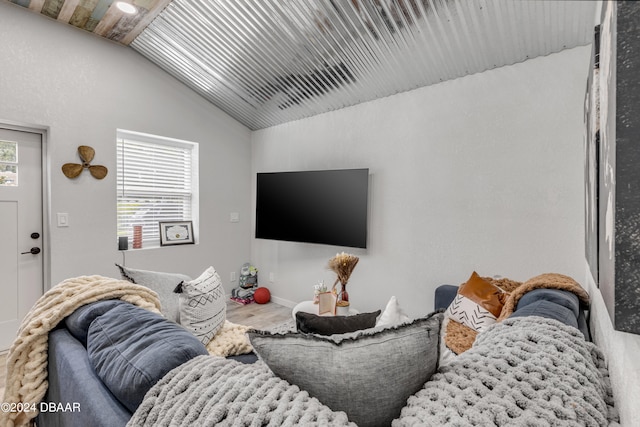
282 301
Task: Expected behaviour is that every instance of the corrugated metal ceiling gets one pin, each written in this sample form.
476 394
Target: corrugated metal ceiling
269 62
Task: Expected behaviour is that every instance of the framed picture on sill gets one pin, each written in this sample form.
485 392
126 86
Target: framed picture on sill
176 233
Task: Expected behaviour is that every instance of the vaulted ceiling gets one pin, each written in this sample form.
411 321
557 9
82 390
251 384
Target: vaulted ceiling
267 62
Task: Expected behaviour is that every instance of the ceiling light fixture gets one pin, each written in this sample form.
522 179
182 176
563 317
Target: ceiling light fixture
126 7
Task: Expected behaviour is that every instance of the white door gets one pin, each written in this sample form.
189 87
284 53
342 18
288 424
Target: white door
21 260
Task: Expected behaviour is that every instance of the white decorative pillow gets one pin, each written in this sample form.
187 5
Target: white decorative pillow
477 304
393 314
203 305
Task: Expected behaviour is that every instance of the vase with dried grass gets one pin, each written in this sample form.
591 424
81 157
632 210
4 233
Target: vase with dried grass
343 264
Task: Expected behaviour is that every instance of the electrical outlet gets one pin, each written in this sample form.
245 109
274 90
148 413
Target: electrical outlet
233 276
272 277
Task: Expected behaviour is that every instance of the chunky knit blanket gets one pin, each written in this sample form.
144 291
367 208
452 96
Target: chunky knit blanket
526 371
212 391
230 340
27 358
459 338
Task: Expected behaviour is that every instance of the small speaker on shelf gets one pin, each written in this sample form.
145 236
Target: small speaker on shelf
123 243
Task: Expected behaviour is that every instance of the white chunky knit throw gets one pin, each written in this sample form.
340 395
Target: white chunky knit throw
27 358
231 340
527 371
212 391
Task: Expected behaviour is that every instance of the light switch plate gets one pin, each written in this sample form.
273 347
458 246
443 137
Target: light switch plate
63 219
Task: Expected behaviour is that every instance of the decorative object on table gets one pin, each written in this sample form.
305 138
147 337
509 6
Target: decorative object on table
262 295
137 237
343 264
86 153
319 288
327 303
176 233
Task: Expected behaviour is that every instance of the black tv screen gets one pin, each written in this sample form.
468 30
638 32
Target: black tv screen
327 207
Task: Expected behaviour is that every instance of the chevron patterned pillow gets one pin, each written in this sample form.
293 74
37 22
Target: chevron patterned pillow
203 306
477 304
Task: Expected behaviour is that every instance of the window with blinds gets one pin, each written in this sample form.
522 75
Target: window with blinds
157 181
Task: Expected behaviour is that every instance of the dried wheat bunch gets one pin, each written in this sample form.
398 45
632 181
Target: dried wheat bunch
343 265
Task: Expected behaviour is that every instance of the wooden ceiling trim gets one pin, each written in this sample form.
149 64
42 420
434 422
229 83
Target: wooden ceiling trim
98 13
51 8
82 13
36 5
98 16
68 8
125 25
108 21
157 7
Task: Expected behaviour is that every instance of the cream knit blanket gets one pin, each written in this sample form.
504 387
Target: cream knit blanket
231 340
27 358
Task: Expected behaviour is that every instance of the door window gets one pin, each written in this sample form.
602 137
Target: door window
8 163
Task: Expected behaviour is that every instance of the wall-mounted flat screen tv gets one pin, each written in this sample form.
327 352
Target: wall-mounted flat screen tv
326 207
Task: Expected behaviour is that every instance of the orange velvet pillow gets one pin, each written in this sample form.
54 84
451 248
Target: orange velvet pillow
478 303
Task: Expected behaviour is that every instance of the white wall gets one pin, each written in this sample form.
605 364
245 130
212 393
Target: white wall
480 173
621 351
83 88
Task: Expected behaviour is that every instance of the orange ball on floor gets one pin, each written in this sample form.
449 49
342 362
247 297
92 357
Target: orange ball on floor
262 295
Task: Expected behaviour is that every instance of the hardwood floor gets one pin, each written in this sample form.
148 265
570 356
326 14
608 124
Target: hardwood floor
260 316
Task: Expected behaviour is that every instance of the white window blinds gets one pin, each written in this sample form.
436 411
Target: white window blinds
156 181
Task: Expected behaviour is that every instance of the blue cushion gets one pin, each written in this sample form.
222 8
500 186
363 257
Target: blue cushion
444 296
79 321
562 298
73 381
132 348
548 309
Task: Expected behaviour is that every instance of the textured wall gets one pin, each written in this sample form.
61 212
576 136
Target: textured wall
480 173
84 88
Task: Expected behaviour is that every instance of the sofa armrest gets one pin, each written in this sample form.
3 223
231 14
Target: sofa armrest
73 380
444 295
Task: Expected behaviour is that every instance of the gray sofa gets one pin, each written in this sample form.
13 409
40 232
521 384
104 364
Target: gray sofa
82 372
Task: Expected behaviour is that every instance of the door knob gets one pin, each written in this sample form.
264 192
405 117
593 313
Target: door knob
35 235
32 251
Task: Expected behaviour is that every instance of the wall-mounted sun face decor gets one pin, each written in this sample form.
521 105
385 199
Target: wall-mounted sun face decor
86 153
